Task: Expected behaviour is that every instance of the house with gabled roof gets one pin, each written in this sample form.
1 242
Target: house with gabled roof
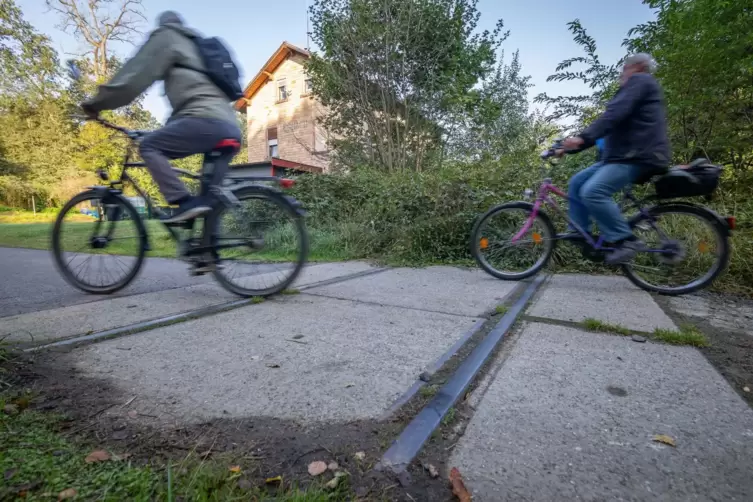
282 116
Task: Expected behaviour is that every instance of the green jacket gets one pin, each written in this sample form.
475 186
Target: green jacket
191 93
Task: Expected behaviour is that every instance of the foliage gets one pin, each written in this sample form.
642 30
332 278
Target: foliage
398 77
601 78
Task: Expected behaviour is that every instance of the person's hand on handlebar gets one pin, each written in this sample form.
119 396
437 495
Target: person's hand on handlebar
92 114
569 144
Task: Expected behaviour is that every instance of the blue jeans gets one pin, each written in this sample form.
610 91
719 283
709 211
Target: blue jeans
591 192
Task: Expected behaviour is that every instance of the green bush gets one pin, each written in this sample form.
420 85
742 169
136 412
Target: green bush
426 218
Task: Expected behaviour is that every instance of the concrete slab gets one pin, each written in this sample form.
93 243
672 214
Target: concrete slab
437 289
606 298
571 416
111 313
302 357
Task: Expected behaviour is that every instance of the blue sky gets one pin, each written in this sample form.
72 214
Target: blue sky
254 29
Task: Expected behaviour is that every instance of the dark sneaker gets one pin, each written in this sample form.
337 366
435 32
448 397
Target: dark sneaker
188 210
625 252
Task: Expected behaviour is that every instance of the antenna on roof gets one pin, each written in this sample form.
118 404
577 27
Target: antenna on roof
308 48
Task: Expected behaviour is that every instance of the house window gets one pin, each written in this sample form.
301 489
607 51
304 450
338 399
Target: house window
282 91
308 86
272 143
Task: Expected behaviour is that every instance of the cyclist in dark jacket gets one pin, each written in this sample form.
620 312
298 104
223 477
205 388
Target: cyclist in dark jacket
635 128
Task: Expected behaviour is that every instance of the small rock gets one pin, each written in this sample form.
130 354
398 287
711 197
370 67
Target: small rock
97 456
58 453
425 376
118 426
67 494
433 471
746 389
333 466
360 455
10 409
638 338
362 491
133 414
297 337
245 484
120 435
317 468
273 365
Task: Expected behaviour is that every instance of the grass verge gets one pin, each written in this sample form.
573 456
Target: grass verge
686 335
38 463
591 324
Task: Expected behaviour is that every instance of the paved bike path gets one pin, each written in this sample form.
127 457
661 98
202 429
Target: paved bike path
572 415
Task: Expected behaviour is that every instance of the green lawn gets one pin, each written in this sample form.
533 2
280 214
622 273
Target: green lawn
324 246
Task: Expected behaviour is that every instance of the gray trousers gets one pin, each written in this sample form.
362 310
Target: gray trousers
180 138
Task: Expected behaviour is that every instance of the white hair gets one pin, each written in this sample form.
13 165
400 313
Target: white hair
645 60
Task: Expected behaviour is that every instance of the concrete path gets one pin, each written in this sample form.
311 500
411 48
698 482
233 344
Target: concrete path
571 415
339 352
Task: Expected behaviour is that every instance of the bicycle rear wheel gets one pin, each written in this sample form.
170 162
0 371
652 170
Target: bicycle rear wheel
695 249
98 242
493 250
261 245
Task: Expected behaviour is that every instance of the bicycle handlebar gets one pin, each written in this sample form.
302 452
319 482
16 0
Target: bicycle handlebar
131 133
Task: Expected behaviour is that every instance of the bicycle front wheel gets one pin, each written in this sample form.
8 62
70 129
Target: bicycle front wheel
497 255
688 249
98 242
261 246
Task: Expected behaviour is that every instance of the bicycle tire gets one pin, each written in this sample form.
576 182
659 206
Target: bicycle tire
261 192
484 264
58 253
719 229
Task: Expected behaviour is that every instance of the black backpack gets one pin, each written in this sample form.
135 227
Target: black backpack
220 67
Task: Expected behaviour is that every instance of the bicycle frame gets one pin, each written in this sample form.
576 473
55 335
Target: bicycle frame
204 179
544 197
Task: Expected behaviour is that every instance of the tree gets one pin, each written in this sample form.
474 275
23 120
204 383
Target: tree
98 23
395 75
28 61
602 79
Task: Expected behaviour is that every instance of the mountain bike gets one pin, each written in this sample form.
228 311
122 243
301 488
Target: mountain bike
669 243
249 216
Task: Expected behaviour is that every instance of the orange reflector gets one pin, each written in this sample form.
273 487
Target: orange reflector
537 238
703 247
287 183
484 243
731 222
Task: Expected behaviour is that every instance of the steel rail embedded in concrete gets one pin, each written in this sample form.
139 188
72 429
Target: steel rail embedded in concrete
175 318
413 437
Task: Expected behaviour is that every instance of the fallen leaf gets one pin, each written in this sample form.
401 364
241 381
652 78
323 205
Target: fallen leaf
317 468
433 471
122 456
97 456
273 365
333 466
235 469
277 480
68 493
22 403
360 455
332 483
458 487
661 438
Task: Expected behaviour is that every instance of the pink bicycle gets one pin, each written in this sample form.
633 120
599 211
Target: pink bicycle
685 255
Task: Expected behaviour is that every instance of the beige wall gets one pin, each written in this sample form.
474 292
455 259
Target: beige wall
299 138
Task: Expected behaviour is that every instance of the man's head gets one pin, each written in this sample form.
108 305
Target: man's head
637 63
169 17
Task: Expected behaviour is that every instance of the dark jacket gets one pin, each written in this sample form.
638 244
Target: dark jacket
635 125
